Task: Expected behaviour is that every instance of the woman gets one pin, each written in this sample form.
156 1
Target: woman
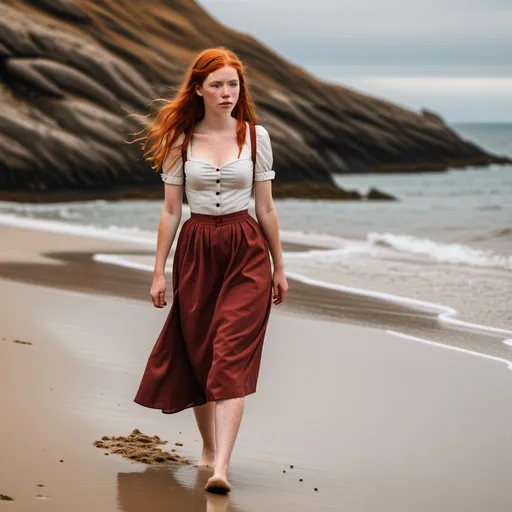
208 353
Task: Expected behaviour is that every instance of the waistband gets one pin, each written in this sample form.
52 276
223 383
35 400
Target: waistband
219 220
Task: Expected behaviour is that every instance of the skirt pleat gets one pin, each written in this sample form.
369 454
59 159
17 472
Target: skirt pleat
211 343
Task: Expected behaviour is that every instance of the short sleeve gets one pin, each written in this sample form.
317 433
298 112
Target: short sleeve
264 158
173 175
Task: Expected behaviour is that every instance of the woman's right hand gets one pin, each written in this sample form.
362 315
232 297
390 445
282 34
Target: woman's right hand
158 292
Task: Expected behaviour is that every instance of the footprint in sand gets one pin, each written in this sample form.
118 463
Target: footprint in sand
4 497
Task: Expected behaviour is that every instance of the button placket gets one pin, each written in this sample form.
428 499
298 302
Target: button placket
218 191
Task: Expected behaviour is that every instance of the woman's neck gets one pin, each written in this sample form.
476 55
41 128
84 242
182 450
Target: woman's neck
214 123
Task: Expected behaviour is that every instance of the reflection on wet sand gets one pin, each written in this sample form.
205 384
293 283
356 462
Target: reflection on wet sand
168 488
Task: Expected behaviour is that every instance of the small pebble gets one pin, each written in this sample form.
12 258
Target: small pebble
291 466
300 479
61 460
178 444
316 488
284 471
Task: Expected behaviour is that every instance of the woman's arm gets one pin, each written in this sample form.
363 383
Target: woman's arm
170 218
266 214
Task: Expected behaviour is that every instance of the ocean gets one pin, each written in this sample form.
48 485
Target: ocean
448 240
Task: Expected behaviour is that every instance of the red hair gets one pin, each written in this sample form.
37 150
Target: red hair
181 114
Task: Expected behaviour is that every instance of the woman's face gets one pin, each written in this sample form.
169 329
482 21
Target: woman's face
220 90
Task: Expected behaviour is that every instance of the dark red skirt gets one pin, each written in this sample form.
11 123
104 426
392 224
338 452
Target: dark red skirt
211 343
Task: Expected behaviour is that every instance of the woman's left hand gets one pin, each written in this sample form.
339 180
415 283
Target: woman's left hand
280 286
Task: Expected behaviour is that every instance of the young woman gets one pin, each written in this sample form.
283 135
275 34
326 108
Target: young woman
208 353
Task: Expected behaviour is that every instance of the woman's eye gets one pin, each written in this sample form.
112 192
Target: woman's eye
234 84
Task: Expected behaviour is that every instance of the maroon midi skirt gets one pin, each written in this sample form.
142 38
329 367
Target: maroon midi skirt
211 343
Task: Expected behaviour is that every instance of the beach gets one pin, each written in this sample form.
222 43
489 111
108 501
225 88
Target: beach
372 420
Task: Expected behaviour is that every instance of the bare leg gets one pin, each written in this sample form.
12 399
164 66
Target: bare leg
228 415
205 418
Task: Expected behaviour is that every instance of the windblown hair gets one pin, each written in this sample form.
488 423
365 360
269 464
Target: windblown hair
181 114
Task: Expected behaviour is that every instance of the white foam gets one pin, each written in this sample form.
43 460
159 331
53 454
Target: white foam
133 235
50 207
124 261
451 347
388 245
331 255
445 253
310 238
444 313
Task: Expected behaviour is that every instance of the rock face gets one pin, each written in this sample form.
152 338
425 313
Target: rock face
71 72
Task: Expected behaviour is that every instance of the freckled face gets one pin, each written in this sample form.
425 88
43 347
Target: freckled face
220 90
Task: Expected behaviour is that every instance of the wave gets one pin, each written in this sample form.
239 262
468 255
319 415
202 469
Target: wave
445 253
331 248
123 234
31 208
327 247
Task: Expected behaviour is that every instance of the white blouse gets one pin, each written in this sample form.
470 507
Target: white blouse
226 189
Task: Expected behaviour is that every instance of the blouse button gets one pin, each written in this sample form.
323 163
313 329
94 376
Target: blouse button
218 204
218 193
218 181
217 170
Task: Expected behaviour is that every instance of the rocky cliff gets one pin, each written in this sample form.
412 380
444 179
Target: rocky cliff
72 70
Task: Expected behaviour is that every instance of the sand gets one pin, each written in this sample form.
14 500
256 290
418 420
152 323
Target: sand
372 421
141 448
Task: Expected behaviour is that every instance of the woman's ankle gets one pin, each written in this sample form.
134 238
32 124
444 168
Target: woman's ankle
207 457
221 468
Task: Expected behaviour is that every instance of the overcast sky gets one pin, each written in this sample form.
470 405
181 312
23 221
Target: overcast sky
451 56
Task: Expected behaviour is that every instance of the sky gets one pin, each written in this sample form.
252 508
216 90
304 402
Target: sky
450 56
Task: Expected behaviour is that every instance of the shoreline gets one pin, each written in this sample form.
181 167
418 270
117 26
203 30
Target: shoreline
402 315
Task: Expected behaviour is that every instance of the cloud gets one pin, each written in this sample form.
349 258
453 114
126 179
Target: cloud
452 56
307 30
457 99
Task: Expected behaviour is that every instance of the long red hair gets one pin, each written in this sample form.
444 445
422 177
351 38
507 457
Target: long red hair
181 114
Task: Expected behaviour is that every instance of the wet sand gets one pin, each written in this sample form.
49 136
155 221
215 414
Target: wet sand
375 422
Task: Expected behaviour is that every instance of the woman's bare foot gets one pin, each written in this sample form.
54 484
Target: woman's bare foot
218 484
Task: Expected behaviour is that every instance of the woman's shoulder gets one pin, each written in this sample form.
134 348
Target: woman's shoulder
262 135
260 128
